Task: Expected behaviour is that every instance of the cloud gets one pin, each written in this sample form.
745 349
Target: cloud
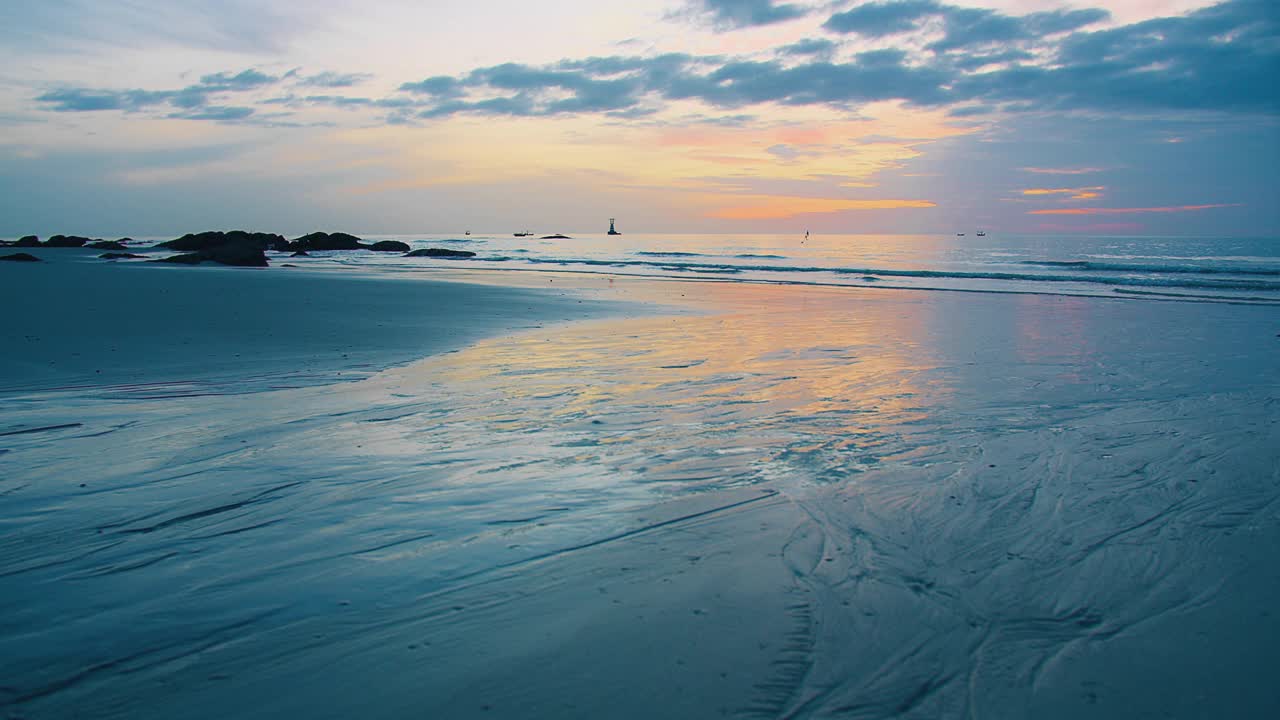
1062 171
1083 193
85 100
880 19
627 83
187 101
219 113
330 79
193 101
1130 211
819 47
244 80
1221 59
962 27
736 14
440 86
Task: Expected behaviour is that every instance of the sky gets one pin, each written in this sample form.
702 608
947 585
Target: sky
158 117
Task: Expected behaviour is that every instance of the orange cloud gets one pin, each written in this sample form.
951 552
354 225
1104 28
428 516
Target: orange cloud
774 207
1085 193
1127 211
1061 171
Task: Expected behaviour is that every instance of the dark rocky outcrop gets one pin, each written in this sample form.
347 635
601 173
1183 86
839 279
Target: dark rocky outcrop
556 237
28 241
20 257
389 246
106 245
300 253
66 241
197 242
440 252
237 254
119 256
327 241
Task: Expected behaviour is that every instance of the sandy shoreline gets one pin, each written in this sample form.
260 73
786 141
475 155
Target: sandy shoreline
72 321
780 502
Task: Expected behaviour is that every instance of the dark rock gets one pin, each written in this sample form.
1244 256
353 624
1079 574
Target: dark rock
556 237
327 241
120 256
440 252
106 245
300 253
389 246
124 240
196 242
20 257
28 241
237 247
66 241
237 255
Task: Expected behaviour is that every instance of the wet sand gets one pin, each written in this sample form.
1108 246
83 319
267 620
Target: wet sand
776 502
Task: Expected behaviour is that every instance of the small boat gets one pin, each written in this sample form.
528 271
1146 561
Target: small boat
959 234
526 233
982 233
611 230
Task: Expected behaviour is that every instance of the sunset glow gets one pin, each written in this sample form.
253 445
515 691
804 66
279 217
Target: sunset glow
706 115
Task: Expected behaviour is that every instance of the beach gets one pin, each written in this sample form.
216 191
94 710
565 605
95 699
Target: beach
452 492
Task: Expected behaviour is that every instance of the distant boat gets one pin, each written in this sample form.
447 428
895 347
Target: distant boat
982 233
611 230
526 233
959 234
468 232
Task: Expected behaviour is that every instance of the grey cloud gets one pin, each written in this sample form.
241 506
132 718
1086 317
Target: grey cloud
1222 58
879 19
333 80
969 26
244 80
86 100
1183 63
186 99
978 61
962 27
440 86
809 46
625 83
737 14
219 113
971 110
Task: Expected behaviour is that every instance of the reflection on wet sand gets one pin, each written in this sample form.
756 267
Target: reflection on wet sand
705 401
773 502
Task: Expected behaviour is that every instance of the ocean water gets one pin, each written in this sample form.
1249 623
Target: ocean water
1238 269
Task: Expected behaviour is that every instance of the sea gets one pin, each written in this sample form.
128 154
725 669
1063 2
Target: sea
1182 268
